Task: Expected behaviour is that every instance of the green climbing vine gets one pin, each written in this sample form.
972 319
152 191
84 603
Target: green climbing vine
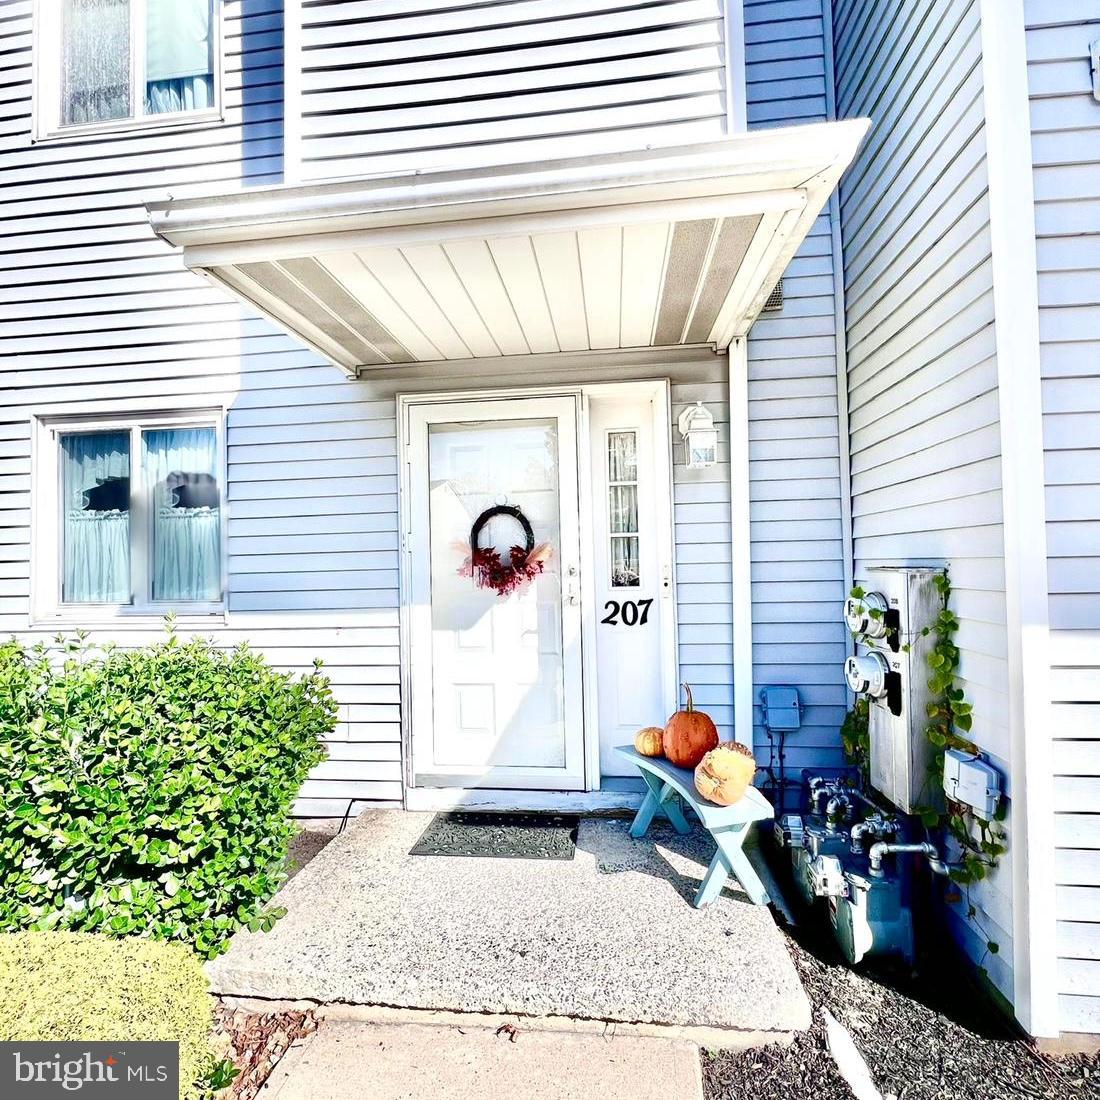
980 843
855 736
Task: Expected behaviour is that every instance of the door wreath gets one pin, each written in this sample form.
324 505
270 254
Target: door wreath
489 569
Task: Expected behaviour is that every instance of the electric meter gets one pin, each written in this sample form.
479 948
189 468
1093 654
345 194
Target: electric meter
866 674
857 614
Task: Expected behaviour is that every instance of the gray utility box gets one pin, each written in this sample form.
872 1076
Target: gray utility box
900 751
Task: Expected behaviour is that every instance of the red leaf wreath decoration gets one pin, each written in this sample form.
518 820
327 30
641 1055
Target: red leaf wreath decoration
490 571
485 564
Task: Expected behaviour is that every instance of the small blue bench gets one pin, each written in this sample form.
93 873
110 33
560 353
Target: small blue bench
668 785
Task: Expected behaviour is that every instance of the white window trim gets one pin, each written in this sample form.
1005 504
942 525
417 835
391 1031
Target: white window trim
46 80
737 121
46 550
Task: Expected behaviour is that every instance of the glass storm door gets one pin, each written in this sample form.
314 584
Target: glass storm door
495 676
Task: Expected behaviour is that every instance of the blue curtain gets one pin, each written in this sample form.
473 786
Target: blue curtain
179 63
186 93
95 517
180 467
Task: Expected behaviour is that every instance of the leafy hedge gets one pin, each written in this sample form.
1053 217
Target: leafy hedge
57 986
148 792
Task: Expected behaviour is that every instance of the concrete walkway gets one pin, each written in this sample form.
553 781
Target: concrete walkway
345 1060
608 936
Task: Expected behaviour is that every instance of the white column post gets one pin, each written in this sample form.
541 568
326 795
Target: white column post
1016 333
740 546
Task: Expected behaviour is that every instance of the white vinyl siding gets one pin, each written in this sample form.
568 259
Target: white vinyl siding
794 445
388 86
1065 128
922 380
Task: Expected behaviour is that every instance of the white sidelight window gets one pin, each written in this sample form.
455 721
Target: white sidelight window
114 64
132 514
622 487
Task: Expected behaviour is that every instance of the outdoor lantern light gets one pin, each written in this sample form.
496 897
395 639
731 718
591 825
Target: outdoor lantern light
700 436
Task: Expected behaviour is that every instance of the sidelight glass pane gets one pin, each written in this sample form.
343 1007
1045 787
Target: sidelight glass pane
622 456
95 61
179 56
622 509
95 517
624 563
180 469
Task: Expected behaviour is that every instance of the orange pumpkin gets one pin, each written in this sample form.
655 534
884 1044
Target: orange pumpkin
689 735
724 774
650 741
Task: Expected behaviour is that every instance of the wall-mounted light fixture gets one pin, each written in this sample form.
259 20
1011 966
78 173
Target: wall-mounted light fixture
700 436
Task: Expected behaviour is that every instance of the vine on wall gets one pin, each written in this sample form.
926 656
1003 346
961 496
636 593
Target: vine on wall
980 843
856 738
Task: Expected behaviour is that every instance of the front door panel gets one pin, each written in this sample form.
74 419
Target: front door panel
632 581
496 678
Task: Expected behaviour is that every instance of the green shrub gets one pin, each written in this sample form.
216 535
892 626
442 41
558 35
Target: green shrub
148 792
65 985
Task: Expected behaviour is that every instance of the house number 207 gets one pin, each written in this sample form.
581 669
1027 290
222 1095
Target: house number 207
629 612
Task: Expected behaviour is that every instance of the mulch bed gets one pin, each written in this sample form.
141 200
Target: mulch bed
255 1041
933 1037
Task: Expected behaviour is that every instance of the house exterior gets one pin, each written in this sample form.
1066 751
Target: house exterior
304 302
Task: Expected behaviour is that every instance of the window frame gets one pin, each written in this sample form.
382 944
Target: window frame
46 80
46 533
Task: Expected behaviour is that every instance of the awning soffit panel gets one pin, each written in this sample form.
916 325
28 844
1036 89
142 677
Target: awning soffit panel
666 247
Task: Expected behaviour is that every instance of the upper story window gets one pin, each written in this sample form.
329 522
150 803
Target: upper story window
131 512
116 64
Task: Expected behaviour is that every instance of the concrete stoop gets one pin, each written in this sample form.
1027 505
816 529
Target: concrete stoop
609 936
349 1059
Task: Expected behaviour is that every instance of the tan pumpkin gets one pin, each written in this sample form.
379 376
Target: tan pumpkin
689 735
650 741
724 774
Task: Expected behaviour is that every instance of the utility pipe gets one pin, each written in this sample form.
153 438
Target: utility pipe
875 825
883 848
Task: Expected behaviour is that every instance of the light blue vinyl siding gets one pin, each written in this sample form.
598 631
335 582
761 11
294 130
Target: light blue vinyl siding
794 443
98 315
922 379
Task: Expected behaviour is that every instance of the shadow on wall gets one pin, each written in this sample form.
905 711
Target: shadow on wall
260 55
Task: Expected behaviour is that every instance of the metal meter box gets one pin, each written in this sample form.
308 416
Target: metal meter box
900 752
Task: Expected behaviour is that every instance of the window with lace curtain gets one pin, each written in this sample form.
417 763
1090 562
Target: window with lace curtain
622 489
110 64
135 511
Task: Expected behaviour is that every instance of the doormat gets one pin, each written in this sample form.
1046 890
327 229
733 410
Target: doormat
499 836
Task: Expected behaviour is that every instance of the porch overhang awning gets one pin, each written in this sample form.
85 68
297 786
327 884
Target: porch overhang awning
656 248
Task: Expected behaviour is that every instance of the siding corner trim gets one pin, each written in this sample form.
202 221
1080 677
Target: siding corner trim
1016 335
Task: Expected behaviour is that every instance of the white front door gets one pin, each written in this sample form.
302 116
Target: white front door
495 679
632 588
